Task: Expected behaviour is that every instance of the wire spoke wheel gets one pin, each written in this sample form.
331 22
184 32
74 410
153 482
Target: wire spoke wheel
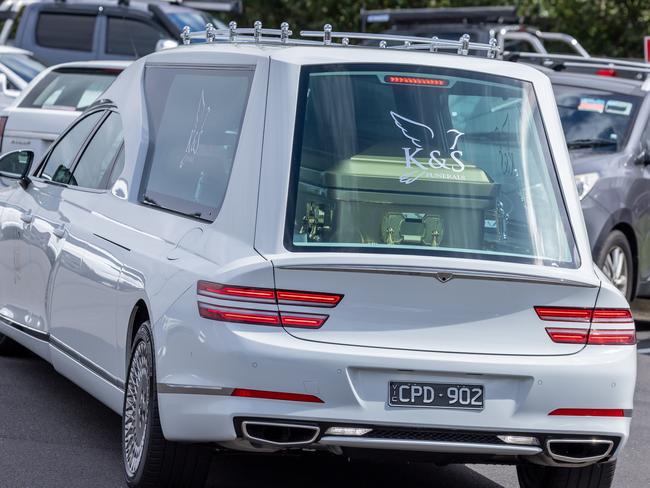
615 268
136 412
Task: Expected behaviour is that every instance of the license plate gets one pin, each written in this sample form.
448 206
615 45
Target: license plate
435 395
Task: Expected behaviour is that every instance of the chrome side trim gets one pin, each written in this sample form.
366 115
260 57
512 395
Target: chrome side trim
574 460
193 390
441 274
430 446
248 436
35 333
87 363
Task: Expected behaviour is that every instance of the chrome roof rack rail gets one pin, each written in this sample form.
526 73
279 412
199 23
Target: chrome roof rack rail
327 37
573 60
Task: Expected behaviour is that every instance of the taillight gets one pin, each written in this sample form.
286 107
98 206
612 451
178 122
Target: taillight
269 296
606 72
595 336
3 125
326 299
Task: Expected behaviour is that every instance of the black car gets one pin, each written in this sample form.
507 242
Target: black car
606 125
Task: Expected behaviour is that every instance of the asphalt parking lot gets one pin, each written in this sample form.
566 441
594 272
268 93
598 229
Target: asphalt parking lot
54 435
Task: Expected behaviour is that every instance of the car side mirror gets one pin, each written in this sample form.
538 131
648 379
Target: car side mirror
17 165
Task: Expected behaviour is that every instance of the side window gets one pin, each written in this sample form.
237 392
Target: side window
131 37
96 160
65 31
57 167
195 118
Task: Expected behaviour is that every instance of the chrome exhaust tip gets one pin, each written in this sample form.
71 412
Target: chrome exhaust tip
579 451
279 434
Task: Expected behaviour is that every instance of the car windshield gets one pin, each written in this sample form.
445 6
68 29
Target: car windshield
22 64
416 160
595 119
69 88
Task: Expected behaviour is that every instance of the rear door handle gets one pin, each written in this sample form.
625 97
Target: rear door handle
27 217
59 232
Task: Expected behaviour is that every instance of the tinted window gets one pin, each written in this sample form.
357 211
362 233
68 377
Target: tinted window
131 37
95 162
195 116
595 119
23 65
64 153
69 89
425 161
65 31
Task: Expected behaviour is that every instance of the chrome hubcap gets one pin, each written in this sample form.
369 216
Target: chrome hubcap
615 268
136 412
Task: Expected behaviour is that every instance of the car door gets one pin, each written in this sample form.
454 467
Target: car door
41 226
84 283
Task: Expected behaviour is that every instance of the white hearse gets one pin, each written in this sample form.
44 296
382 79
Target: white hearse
264 243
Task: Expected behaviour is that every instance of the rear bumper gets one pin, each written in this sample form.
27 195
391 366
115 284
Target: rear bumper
197 372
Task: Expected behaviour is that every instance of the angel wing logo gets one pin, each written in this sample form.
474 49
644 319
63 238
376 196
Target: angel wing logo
421 137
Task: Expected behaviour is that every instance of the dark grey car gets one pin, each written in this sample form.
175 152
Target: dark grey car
605 122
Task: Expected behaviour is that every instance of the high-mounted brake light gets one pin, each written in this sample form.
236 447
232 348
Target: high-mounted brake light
606 72
589 412
415 80
275 395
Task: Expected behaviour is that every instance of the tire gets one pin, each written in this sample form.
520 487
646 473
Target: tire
595 476
9 347
616 245
150 461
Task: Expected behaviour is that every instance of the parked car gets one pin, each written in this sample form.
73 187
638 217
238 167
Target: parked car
58 32
270 245
606 121
52 101
17 68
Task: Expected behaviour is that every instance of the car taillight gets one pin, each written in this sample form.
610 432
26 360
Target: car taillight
265 295
3 125
606 72
595 336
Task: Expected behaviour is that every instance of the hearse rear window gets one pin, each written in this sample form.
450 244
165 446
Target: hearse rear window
195 118
398 159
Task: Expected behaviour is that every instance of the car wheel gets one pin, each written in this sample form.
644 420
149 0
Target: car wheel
9 347
150 461
615 260
594 476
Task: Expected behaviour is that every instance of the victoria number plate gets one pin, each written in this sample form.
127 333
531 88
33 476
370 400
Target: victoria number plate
435 395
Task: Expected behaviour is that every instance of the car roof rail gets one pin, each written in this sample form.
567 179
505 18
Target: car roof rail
327 37
536 37
559 62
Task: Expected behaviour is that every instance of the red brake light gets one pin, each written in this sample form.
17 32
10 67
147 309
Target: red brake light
216 290
606 72
257 317
611 337
328 299
304 321
413 80
589 412
564 314
275 395
612 315
568 336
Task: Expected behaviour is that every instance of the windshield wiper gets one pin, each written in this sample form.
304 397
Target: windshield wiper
577 143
